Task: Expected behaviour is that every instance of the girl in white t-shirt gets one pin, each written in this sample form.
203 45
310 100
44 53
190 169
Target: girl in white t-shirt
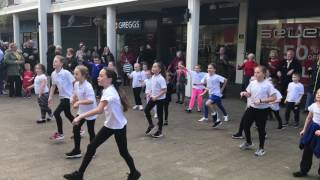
147 85
158 98
310 141
41 89
197 88
261 92
63 80
113 103
137 80
84 99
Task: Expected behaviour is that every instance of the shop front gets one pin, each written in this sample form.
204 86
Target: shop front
218 27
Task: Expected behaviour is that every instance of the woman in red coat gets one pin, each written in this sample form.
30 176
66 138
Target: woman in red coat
248 66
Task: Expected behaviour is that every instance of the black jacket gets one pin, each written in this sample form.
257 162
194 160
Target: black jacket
295 65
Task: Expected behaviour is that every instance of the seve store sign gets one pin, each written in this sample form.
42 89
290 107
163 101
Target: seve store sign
129 25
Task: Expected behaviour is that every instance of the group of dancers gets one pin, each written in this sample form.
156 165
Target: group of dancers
76 91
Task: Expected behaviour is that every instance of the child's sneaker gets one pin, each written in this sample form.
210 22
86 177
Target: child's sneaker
155 115
226 118
165 123
134 176
73 154
260 152
50 117
57 137
203 119
246 146
158 134
299 174
140 107
237 136
41 121
135 107
149 129
216 124
73 176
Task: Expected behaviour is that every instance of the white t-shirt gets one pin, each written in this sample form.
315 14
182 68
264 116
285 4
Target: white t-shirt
315 109
137 78
148 86
260 90
196 79
144 75
64 81
37 83
275 106
213 84
295 91
85 91
115 118
157 83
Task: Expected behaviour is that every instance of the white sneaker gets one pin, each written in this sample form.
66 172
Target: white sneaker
226 118
246 146
135 107
155 115
260 152
82 132
203 119
141 108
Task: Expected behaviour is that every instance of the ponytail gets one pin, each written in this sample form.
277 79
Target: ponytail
123 98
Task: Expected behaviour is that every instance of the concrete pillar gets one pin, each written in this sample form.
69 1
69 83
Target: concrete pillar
242 37
16 30
57 29
111 29
192 38
43 30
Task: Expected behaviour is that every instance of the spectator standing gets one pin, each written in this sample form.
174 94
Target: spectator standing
71 62
107 56
247 66
174 63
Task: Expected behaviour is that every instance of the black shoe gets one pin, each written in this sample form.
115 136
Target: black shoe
74 176
299 174
158 134
237 136
217 124
134 176
165 123
41 121
188 110
199 111
149 130
73 154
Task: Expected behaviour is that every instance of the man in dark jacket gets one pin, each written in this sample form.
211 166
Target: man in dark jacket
288 67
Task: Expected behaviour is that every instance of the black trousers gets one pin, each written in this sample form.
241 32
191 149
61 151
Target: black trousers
166 110
15 86
136 93
43 104
148 109
241 125
306 161
104 134
126 80
76 132
259 116
278 117
65 107
291 106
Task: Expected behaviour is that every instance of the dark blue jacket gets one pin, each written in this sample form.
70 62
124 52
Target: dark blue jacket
95 69
310 139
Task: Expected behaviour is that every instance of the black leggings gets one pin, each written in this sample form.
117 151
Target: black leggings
63 106
166 110
76 132
306 161
291 106
149 107
259 116
43 104
104 134
278 117
241 125
15 86
136 93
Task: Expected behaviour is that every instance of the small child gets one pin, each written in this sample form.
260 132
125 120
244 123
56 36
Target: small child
181 82
197 88
147 84
170 90
27 78
275 107
213 82
41 89
127 69
95 68
310 141
137 81
293 99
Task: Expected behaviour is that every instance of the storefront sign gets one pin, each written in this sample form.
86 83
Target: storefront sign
303 38
130 25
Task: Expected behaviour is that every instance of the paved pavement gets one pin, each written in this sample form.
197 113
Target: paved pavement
189 150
